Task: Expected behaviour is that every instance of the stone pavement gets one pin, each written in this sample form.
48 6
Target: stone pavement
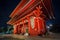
50 37
13 36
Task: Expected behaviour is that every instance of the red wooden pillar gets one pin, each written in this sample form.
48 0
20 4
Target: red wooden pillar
41 25
15 29
29 26
19 30
23 27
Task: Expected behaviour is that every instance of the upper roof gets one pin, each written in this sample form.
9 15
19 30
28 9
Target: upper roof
26 5
20 7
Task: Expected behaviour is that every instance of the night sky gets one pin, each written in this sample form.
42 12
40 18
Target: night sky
7 6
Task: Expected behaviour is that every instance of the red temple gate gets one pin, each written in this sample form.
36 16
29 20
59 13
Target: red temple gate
30 16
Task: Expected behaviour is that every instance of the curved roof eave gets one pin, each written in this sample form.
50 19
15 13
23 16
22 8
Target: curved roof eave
20 7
